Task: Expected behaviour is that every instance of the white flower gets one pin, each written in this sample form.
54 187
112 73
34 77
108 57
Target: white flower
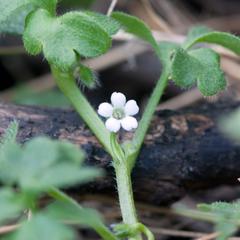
119 113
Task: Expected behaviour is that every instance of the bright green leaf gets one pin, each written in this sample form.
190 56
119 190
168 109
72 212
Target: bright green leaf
202 34
11 204
201 66
61 38
44 228
137 27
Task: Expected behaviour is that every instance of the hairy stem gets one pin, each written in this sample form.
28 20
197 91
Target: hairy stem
125 193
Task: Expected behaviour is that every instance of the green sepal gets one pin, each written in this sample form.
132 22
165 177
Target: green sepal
86 76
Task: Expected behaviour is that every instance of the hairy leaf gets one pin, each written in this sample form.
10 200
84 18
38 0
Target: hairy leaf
201 66
203 34
42 228
137 27
61 38
110 25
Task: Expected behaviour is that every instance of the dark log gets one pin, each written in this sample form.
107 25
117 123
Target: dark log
183 151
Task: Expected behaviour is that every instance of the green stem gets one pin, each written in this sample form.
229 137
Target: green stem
148 114
68 86
125 193
101 229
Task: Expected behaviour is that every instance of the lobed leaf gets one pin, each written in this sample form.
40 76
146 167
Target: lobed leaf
203 34
43 163
62 39
201 66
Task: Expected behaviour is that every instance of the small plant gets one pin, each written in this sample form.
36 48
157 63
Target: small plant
39 167
64 41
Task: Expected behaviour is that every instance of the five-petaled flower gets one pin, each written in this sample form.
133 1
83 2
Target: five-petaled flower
119 113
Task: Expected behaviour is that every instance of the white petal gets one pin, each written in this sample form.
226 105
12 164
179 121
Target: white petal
113 125
105 109
131 108
129 123
118 99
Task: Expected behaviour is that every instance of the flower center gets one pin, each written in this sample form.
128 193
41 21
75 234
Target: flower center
118 113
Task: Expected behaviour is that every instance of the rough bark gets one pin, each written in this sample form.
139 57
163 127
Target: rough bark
183 151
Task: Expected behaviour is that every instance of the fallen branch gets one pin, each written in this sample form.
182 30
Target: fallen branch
183 151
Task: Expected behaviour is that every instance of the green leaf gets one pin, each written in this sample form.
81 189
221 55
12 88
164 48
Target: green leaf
202 34
137 27
10 8
62 39
11 204
74 214
43 163
44 228
230 125
201 66
10 167
67 208
9 135
14 24
225 229
227 217
168 50
110 25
